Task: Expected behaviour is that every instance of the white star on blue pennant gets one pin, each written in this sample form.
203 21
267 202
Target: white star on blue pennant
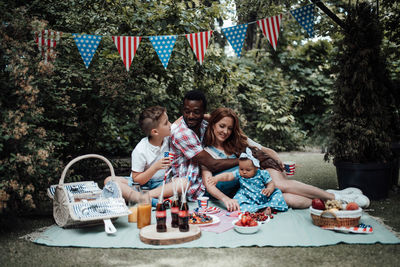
236 36
163 46
305 16
87 46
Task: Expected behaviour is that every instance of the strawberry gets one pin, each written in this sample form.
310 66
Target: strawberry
244 219
253 223
239 223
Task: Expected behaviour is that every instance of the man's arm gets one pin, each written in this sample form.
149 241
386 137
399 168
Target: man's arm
215 165
274 155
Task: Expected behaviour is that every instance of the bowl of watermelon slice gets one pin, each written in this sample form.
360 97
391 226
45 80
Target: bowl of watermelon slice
246 225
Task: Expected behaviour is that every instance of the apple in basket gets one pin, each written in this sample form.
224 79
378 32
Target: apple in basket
318 204
351 206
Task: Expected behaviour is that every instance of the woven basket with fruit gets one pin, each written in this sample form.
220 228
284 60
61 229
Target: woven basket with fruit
335 213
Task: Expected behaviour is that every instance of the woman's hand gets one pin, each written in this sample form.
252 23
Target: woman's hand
280 163
231 204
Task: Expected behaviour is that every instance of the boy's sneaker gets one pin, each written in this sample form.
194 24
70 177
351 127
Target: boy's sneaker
361 200
346 191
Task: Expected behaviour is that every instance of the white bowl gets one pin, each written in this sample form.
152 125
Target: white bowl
246 229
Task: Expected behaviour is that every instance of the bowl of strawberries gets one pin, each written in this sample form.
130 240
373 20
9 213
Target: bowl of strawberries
246 225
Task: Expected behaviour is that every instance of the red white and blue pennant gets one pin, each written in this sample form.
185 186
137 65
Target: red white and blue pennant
87 46
199 43
236 36
127 47
305 16
271 27
163 46
47 41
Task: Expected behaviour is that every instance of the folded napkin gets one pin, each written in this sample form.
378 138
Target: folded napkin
224 225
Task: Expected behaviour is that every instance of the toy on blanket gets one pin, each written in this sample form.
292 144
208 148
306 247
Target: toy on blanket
359 229
84 203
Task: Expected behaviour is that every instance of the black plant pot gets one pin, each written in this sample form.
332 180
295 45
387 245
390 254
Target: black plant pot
396 163
374 179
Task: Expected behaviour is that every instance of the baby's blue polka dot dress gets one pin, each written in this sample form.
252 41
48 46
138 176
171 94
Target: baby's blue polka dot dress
250 197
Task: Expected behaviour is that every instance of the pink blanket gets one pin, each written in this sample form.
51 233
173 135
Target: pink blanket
224 225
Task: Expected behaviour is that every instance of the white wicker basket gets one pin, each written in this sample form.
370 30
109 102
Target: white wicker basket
84 203
338 218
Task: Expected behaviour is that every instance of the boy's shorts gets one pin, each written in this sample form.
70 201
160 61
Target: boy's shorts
150 184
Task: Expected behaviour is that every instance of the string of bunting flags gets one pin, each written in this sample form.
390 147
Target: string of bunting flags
163 44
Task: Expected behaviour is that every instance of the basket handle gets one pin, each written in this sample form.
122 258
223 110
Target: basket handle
330 212
86 157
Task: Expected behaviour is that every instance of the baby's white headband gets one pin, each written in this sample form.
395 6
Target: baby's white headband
249 155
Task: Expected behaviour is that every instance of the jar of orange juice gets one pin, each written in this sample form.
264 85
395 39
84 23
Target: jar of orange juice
144 209
133 204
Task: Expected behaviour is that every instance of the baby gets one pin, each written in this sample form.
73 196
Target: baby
257 191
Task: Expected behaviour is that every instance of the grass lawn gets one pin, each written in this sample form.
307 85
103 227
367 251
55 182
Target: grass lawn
310 168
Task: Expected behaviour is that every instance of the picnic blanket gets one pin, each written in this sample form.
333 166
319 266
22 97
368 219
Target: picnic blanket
291 228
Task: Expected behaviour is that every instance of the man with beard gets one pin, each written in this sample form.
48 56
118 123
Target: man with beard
186 143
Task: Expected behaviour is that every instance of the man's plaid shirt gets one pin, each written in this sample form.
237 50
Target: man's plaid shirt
185 144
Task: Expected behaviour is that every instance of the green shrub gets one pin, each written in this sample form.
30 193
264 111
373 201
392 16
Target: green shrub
361 121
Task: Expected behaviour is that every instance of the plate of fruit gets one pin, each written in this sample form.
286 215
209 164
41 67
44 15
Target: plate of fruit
260 217
246 225
201 219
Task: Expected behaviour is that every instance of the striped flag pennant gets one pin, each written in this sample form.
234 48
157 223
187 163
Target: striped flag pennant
305 16
271 27
127 46
47 41
199 43
163 45
87 46
236 36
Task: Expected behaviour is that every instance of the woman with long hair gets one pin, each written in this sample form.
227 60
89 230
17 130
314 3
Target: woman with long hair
225 139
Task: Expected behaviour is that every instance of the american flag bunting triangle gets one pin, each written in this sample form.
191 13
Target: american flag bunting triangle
127 47
305 16
199 43
271 27
87 46
163 46
47 41
236 36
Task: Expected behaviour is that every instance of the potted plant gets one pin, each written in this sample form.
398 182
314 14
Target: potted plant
361 116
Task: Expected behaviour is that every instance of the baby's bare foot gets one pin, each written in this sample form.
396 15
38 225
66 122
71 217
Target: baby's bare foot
267 211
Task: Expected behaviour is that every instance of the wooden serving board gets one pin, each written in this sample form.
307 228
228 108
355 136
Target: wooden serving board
149 235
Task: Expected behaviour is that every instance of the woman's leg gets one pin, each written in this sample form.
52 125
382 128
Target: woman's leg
297 201
298 188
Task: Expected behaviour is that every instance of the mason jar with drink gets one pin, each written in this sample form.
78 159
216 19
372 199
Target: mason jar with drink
144 209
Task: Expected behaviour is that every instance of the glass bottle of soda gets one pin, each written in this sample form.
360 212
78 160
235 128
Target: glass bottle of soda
183 216
161 217
175 211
